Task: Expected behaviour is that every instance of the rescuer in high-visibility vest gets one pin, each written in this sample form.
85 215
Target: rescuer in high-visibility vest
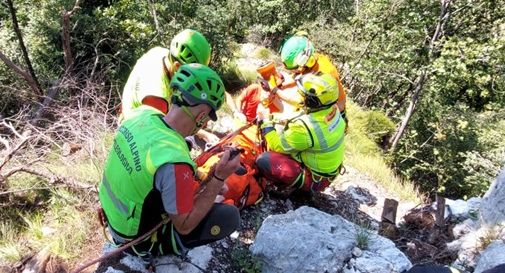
149 174
149 80
308 153
299 57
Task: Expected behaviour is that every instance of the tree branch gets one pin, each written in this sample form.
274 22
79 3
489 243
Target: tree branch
15 24
424 75
25 75
65 35
19 145
51 178
152 8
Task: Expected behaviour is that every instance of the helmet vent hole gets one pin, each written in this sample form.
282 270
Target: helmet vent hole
180 79
185 73
198 86
209 84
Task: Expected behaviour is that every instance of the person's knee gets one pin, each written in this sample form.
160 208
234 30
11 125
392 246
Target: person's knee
263 163
231 216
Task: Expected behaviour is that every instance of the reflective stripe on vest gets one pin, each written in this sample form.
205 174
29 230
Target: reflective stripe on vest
119 205
321 138
326 154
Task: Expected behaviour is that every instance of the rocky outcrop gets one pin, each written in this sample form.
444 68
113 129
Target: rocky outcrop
493 255
308 240
484 223
460 209
492 210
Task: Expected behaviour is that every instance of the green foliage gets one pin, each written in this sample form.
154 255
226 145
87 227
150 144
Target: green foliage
242 258
385 48
461 152
263 53
376 126
236 77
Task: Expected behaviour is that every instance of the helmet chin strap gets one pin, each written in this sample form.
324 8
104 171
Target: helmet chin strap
198 124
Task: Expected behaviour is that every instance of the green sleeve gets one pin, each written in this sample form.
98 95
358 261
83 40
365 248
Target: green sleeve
294 139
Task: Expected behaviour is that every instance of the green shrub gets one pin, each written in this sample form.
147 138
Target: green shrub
236 77
375 125
242 258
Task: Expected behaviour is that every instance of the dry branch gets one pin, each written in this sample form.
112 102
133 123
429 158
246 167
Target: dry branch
65 35
21 141
423 76
25 75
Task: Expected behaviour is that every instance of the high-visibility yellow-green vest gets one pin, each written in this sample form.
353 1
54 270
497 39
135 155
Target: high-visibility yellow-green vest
142 144
148 78
313 140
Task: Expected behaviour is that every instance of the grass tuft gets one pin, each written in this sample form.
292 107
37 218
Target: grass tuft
243 259
363 235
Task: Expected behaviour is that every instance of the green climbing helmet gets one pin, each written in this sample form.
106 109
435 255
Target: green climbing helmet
297 52
195 84
190 46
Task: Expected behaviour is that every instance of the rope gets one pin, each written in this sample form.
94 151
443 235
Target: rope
122 248
202 158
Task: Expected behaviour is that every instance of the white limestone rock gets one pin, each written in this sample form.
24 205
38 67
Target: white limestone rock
492 256
308 240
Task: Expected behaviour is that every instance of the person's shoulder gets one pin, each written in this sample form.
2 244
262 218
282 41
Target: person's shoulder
158 50
324 61
298 123
325 65
155 53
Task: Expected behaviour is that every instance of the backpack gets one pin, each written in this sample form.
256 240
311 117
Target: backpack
243 190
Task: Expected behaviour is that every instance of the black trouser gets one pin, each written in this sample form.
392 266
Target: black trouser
219 222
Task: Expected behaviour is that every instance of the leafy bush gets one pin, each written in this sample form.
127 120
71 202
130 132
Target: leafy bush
375 125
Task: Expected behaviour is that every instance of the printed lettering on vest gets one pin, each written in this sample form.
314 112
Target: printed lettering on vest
334 124
122 157
133 148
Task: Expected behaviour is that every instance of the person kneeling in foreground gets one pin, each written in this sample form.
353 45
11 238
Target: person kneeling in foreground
308 153
149 174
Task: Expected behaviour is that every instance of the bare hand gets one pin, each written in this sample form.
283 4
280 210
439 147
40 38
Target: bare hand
225 167
262 112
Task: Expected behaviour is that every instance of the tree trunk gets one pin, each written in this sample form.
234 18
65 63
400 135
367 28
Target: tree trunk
34 83
65 36
423 76
54 91
410 111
